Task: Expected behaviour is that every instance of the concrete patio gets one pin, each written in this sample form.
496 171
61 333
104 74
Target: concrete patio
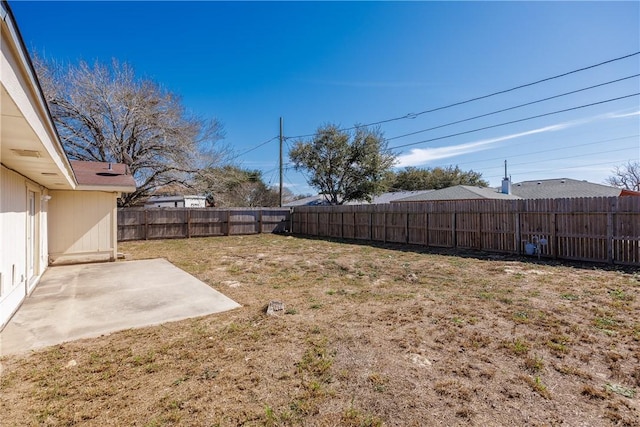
89 300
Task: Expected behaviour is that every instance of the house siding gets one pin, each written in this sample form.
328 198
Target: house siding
15 280
85 223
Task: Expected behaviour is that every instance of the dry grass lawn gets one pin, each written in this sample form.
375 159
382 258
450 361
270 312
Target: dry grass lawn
370 336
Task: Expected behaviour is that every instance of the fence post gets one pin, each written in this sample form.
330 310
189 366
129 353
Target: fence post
384 227
229 222
355 228
406 228
479 246
370 225
517 236
259 220
146 226
453 230
188 223
610 237
554 235
426 229
290 220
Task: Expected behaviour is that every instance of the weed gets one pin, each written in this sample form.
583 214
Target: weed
378 382
570 297
534 364
208 374
521 317
618 294
593 393
457 321
621 390
291 311
537 385
270 418
354 418
452 388
558 344
519 346
572 370
486 295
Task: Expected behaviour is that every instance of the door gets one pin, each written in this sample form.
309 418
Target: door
32 239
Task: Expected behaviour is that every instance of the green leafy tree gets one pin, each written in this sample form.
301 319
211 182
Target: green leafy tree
344 165
412 179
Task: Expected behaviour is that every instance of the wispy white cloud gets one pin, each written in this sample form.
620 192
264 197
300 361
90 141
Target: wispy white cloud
622 115
421 156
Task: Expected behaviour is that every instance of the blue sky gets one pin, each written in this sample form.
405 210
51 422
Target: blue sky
250 63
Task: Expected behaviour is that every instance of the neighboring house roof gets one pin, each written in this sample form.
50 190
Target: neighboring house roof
317 200
460 192
106 176
389 197
559 188
562 188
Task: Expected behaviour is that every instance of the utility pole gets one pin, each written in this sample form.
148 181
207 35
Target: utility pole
281 169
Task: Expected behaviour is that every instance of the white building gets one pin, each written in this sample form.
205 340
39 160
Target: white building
176 202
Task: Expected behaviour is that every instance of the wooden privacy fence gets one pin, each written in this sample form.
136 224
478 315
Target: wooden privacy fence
175 223
585 229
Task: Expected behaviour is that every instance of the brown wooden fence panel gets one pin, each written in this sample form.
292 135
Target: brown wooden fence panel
585 229
417 228
172 223
362 225
207 222
131 224
166 224
396 227
440 231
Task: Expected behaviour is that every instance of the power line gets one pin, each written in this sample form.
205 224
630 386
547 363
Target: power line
514 121
568 167
414 115
254 148
512 108
575 156
547 151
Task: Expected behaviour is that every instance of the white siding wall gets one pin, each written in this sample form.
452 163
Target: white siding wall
13 240
83 226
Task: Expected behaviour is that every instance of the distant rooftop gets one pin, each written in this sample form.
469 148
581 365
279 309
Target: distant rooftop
460 192
558 188
319 200
561 188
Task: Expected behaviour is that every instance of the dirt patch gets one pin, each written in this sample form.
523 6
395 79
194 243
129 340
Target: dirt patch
369 336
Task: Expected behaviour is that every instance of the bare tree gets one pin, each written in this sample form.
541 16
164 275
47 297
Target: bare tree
231 186
626 176
105 113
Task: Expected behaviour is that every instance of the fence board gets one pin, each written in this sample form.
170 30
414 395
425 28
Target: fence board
178 223
585 229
